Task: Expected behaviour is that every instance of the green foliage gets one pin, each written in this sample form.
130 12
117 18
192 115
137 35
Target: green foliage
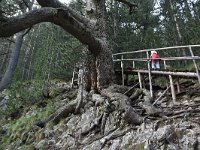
25 122
48 52
20 94
8 7
152 25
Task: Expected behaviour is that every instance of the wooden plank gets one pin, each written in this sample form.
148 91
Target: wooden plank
183 74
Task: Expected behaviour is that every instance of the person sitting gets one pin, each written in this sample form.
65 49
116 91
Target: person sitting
155 60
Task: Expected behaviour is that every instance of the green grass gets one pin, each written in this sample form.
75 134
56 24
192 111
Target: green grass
25 123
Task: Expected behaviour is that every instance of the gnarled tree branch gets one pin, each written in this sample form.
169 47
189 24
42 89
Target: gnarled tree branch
15 24
58 4
59 16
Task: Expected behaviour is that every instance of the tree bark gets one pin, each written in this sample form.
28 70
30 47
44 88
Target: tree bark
180 37
15 51
102 59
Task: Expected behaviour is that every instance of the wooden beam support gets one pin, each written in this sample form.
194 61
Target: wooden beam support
133 64
195 65
140 79
149 72
182 74
172 89
122 67
178 85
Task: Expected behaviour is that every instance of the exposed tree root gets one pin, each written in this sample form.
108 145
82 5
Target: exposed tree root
95 125
73 107
79 99
129 114
133 106
58 115
114 136
96 137
136 94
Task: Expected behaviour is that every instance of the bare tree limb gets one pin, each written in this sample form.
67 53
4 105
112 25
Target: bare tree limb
19 23
59 16
10 40
132 6
59 5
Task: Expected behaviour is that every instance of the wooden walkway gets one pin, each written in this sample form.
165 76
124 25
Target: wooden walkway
138 62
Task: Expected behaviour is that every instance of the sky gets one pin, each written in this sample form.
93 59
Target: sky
65 1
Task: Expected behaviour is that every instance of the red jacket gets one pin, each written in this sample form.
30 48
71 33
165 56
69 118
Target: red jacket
154 56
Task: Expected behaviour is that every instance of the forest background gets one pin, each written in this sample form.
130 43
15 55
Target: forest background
33 59
47 52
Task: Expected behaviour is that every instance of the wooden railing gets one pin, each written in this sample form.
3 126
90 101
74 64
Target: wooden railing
124 57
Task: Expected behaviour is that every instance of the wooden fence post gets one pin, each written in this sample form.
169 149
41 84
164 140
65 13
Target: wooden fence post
140 79
133 64
149 70
165 65
122 67
195 65
172 89
178 85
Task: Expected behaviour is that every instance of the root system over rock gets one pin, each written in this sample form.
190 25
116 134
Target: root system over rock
118 111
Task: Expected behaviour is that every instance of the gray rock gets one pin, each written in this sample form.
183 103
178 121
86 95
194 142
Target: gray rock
41 144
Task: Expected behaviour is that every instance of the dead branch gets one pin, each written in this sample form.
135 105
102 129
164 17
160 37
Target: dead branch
127 93
132 6
161 96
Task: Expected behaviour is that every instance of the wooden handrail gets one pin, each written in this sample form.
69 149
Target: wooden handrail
162 58
156 49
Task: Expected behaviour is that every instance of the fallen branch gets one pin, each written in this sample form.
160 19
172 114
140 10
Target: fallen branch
161 96
130 90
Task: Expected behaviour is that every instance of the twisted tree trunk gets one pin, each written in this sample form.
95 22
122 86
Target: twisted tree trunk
89 30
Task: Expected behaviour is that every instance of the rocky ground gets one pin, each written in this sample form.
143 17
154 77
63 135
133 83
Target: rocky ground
119 118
